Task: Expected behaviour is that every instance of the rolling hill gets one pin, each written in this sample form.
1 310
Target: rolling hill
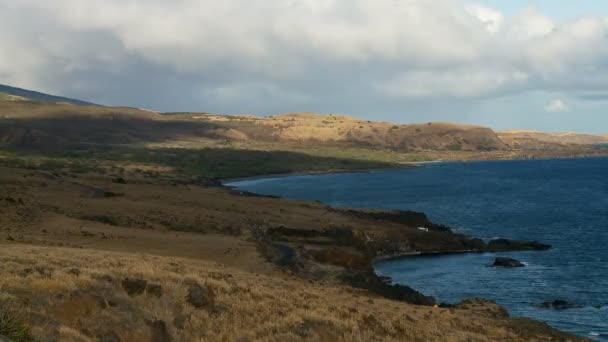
325 130
33 119
13 93
519 138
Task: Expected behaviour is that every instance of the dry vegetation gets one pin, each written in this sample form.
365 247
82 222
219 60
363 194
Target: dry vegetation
80 295
114 228
521 138
72 248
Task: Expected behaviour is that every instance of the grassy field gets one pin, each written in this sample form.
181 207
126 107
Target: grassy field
113 227
232 159
86 257
211 162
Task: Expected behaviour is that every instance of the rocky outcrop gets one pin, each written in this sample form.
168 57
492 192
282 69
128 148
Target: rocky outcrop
134 287
381 286
513 245
557 305
404 217
485 306
348 253
201 297
507 262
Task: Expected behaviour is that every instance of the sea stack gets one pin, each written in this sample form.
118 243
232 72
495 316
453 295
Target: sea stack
507 262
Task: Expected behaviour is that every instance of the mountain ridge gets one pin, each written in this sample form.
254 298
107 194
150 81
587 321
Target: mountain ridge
67 120
39 96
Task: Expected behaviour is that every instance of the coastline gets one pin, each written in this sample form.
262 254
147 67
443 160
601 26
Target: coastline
264 237
388 281
226 182
415 164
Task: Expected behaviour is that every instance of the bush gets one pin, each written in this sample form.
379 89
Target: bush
11 322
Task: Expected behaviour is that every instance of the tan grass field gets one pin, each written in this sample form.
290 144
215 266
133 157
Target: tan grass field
114 228
72 294
67 248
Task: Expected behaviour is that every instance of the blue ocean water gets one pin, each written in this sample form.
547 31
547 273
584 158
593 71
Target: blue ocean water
560 202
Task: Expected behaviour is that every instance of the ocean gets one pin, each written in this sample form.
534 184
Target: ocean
559 202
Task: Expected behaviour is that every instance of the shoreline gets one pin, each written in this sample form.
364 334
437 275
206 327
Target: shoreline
225 182
389 281
273 231
406 166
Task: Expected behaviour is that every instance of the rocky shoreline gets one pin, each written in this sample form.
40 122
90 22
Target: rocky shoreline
349 254
178 221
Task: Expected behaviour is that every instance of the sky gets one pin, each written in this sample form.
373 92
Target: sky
507 64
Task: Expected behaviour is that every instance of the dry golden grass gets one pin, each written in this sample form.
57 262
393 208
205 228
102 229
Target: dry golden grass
70 251
76 295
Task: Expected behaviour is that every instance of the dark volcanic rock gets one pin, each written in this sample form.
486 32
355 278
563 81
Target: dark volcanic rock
558 305
507 262
119 180
512 245
252 194
160 333
74 271
372 282
134 286
180 321
201 296
408 218
154 290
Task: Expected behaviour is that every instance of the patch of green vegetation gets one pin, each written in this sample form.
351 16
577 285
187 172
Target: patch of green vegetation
455 147
33 160
212 162
12 322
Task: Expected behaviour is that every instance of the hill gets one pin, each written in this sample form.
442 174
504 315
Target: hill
336 139
8 92
114 227
345 130
520 138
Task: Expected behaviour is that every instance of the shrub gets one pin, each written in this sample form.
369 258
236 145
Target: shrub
11 322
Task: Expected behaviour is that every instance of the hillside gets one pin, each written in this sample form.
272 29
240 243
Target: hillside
335 140
115 227
35 124
344 130
520 138
34 119
23 94
119 255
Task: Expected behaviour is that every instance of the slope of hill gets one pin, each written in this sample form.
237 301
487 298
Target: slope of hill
113 230
36 124
338 129
54 125
522 137
18 93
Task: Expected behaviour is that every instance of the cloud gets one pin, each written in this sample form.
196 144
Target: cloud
273 55
556 106
468 82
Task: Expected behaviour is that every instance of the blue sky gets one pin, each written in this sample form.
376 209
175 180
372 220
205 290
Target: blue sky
506 64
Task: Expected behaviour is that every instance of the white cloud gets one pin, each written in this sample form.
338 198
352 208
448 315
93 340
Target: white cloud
491 18
454 83
556 106
305 48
